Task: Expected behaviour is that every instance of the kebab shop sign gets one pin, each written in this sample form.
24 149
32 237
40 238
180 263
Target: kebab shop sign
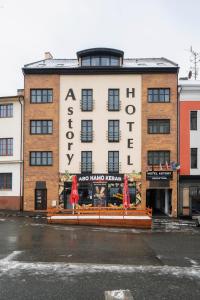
129 109
100 178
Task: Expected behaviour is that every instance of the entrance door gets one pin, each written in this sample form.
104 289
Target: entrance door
159 200
195 205
40 199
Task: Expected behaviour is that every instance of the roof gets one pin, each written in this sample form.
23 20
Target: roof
189 83
100 51
128 63
10 98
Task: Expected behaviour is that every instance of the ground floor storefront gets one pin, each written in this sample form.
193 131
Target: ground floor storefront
102 190
156 190
189 195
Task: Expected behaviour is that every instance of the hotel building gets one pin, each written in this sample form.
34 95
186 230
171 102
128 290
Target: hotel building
11 151
189 200
100 116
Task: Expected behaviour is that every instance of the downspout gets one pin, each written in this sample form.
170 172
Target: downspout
178 147
21 155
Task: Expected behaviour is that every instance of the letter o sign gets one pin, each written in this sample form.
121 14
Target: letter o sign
130 109
69 135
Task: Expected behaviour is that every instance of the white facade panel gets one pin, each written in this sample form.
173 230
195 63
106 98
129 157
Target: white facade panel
195 143
15 170
100 116
11 128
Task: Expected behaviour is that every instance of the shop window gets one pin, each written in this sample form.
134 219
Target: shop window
193 158
158 95
193 120
41 95
158 126
87 100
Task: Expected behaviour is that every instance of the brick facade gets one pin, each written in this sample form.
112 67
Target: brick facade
159 141
46 111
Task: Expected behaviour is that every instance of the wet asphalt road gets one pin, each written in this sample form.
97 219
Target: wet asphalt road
41 261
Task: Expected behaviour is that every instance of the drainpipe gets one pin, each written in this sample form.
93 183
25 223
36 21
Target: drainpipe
178 147
21 155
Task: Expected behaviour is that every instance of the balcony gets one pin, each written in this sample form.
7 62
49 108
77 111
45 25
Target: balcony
115 107
86 136
87 105
113 137
87 167
114 167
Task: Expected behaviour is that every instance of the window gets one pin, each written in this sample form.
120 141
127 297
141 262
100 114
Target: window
87 100
86 131
86 161
158 126
193 160
193 120
158 157
113 130
159 95
5 181
6 110
41 158
41 95
113 161
6 147
113 100
96 61
41 127
114 61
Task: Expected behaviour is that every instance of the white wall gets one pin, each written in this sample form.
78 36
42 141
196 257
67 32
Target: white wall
100 116
11 128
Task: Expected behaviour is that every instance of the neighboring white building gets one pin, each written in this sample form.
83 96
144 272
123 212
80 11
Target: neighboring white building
11 149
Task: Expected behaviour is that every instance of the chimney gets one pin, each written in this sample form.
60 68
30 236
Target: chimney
48 55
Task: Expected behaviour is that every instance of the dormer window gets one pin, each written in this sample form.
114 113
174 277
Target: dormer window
100 57
100 61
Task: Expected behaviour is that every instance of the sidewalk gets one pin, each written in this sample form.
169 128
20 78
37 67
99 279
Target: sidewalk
26 214
163 222
158 221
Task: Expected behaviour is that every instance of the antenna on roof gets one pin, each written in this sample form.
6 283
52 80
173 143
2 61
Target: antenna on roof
195 60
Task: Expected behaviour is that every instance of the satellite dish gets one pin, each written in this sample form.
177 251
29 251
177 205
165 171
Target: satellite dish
190 75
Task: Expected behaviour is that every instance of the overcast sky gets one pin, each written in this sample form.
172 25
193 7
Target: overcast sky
142 28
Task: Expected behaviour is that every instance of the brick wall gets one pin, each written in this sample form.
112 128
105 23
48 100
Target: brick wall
44 111
159 141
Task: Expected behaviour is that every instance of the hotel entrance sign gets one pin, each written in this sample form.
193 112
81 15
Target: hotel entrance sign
159 175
